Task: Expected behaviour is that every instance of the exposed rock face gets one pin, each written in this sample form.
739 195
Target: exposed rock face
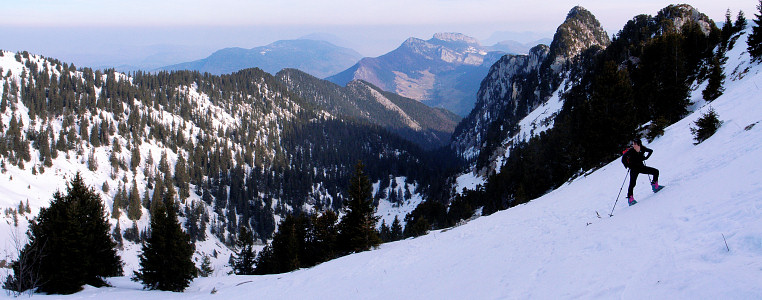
501 93
580 31
516 84
678 16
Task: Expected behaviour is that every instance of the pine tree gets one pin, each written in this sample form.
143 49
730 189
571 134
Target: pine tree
115 213
755 37
4 98
385 234
741 22
166 260
726 32
146 201
396 229
92 163
706 126
181 177
134 211
244 256
357 230
73 242
714 88
206 267
322 242
117 234
135 158
158 192
164 164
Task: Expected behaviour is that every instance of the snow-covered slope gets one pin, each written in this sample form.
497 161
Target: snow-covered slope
671 245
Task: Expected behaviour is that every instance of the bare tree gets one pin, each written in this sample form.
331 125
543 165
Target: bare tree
26 273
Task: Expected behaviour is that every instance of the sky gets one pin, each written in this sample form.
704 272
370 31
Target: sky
109 32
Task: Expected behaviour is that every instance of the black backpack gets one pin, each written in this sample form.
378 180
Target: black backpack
626 157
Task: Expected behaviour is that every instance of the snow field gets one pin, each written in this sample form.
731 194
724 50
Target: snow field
668 246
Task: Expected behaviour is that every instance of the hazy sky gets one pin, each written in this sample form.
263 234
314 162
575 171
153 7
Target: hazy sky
108 31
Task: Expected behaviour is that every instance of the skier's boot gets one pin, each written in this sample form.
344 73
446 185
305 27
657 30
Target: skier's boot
631 200
656 187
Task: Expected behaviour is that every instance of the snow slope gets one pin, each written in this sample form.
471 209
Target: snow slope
668 246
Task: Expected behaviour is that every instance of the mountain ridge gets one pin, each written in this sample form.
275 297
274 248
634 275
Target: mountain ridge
317 57
430 128
442 72
517 84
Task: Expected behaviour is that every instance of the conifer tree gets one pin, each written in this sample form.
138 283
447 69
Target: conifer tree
714 88
134 211
166 260
244 256
706 126
115 213
322 242
4 98
726 32
206 267
135 158
146 201
117 234
92 163
755 37
73 242
385 233
181 177
357 230
741 22
158 192
396 230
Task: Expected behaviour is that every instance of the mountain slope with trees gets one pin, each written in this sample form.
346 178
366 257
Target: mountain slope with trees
428 127
234 151
635 87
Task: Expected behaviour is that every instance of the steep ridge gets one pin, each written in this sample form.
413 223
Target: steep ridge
443 71
641 83
428 127
517 84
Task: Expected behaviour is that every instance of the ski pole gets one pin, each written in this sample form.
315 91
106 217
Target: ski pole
620 193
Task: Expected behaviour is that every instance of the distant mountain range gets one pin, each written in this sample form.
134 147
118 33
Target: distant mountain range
515 47
318 58
444 71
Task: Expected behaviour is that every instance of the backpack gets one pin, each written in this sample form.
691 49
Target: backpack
626 158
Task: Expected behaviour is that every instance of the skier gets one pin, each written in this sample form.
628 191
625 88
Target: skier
633 158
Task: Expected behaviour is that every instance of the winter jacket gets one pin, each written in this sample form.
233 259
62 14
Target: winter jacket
634 159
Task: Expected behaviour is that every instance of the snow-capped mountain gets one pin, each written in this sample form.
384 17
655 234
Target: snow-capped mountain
443 71
319 58
428 127
518 84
